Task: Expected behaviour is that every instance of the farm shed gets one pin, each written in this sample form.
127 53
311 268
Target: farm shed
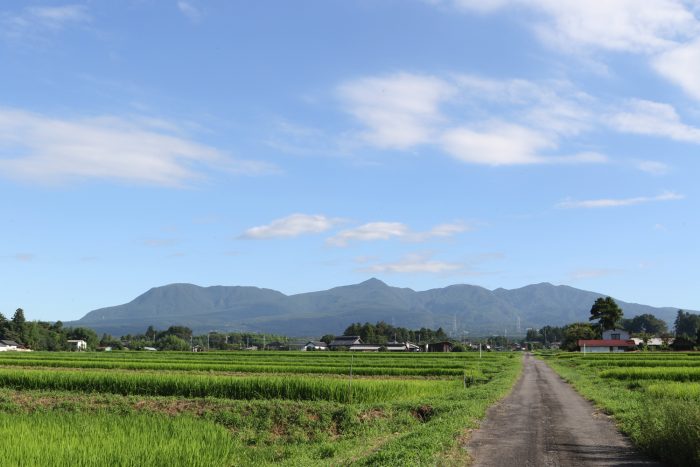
443 346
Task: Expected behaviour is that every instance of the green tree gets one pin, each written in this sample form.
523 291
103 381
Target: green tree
686 323
606 312
646 323
573 332
172 342
328 338
4 327
18 326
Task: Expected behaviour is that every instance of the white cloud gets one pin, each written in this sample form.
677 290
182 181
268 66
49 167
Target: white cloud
369 232
681 66
403 110
498 144
654 118
608 203
399 110
51 150
620 25
292 226
415 263
653 167
373 231
189 10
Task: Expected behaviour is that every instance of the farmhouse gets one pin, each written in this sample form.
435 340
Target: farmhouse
315 345
344 341
77 344
614 340
6 345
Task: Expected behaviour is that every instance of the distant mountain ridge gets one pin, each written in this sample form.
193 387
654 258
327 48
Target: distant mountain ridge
458 309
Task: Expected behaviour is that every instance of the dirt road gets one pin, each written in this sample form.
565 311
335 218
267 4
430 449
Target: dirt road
544 422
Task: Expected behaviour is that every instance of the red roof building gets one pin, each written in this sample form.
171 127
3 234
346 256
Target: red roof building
605 345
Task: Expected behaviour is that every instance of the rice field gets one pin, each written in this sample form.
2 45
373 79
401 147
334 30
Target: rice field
244 408
654 397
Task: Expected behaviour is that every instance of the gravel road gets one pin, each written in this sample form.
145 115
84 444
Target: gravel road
544 422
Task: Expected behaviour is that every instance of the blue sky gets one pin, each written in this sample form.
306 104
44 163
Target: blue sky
304 145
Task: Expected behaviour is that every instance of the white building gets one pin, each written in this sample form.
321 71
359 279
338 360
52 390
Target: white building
77 344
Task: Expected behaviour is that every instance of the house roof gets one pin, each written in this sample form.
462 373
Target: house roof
317 343
9 343
345 341
606 343
365 347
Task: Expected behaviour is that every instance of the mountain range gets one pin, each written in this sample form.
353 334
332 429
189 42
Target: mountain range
459 309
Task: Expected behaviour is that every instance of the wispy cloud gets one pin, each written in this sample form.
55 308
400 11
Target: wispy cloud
189 10
404 110
610 203
292 226
653 167
373 231
413 264
399 110
653 118
32 22
619 25
45 149
665 31
369 232
583 274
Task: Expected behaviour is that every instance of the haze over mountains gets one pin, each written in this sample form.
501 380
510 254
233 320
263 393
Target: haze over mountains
457 309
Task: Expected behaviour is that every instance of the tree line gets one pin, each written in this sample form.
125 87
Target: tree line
381 332
42 335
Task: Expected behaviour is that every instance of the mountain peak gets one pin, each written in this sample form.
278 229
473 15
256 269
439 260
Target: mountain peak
373 282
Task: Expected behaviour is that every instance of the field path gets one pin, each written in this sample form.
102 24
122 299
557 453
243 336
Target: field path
544 422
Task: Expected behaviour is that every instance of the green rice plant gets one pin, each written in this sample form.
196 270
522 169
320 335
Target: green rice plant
670 374
103 439
675 390
197 386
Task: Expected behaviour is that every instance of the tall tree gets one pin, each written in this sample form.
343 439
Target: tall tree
4 326
606 312
686 323
19 325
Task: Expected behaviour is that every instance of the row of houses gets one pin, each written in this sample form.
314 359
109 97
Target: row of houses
355 344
